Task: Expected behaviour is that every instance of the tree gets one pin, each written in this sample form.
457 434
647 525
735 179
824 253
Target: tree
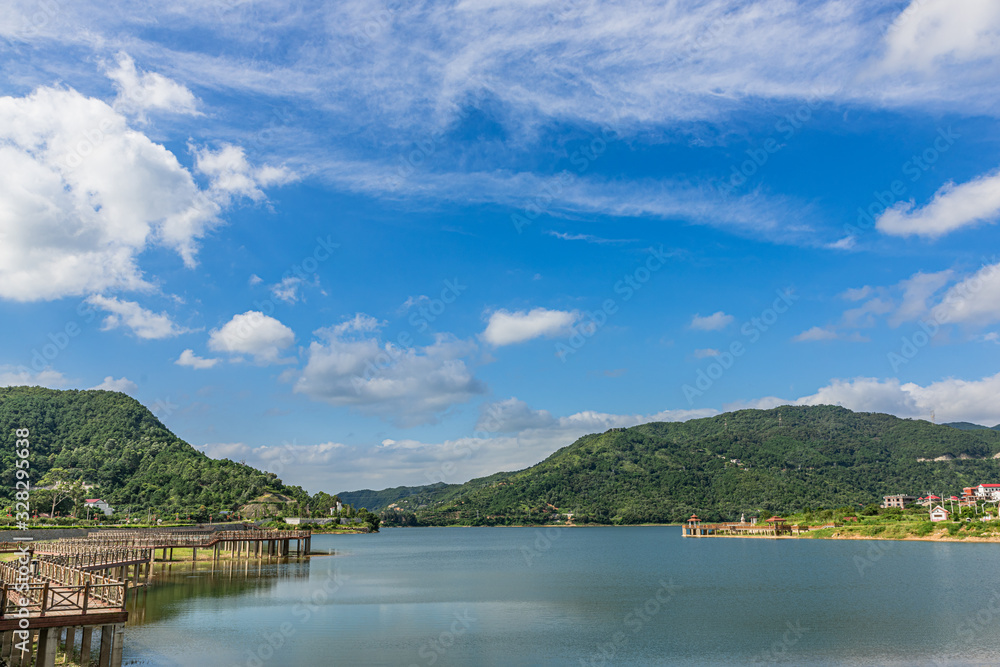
63 487
373 522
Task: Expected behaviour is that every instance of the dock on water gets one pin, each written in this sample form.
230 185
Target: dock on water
56 589
773 527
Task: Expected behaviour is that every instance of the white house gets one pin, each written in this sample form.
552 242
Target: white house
99 505
988 491
940 514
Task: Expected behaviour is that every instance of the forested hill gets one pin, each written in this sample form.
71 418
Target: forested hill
112 440
415 496
781 460
968 426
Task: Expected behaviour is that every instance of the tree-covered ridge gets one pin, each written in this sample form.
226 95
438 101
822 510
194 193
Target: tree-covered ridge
110 439
969 426
376 501
787 459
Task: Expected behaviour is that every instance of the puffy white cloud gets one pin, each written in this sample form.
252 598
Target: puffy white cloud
254 333
189 358
83 195
231 174
17 376
141 91
122 384
950 399
705 353
143 323
347 366
506 328
713 322
929 33
953 207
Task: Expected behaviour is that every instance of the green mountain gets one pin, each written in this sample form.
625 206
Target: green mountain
415 496
787 459
110 439
969 426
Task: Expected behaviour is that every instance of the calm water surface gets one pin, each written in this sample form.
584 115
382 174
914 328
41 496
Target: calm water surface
579 596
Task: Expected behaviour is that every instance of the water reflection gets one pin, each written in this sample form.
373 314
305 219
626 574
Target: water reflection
172 584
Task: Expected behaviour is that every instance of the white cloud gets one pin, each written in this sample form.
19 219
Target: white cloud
287 290
973 301
348 367
143 323
142 91
360 323
816 333
867 314
256 334
254 280
507 328
917 290
950 399
84 195
589 238
123 385
828 333
931 33
856 293
510 416
189 358
846 243
16 376
226 450
953 207
713 322
231 174
705 353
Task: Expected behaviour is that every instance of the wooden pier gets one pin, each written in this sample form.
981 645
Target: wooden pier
59 588
773 527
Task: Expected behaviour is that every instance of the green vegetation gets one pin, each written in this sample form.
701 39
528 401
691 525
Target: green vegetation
897 524
815 456
110 440
376 501
969 426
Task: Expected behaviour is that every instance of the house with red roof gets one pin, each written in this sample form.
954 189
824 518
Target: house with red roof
98 505
940 514
988 491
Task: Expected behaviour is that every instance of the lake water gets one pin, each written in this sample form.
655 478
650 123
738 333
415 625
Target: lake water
579 596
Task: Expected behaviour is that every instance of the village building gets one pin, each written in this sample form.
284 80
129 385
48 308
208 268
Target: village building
899 500
940 514
99 505
988 491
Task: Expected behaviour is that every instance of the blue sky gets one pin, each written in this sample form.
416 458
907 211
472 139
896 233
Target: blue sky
365 245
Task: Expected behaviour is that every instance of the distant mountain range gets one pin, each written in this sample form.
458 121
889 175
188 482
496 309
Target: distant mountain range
786 459
967 426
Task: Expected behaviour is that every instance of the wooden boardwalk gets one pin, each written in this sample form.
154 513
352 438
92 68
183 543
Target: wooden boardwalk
58 588
773 527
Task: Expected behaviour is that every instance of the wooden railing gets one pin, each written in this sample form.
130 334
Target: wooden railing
146 540
57 589
90 556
